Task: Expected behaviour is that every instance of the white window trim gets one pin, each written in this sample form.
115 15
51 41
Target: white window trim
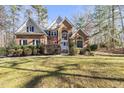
22 43
30 28
80 40
35 41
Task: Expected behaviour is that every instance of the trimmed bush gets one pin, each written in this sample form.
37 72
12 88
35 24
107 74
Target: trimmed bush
11 52
93 47
19 52
35 51
27 51
40 49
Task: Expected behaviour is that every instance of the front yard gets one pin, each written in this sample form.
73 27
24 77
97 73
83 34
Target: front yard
62 71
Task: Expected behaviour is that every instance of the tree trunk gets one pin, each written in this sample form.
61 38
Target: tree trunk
113 28
122 24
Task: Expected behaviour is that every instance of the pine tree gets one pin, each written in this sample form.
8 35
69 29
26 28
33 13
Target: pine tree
14 10
41 14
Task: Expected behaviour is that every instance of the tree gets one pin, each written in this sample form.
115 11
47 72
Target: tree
41 14
83 21
2 17
107 21
14 10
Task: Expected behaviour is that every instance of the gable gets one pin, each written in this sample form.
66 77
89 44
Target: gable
79 32
66 23
28 24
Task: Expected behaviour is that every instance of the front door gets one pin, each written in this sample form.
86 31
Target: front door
64 46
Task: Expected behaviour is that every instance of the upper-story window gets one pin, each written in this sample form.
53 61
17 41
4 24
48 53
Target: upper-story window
64 35
49 33
30 28
52 33
55 33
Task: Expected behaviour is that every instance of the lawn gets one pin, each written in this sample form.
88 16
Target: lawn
62 71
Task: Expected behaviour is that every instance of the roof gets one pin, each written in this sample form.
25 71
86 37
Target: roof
29 33
58 21
21 29
73 35
55 23
67 21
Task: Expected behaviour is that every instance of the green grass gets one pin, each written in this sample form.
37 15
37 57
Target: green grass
62 71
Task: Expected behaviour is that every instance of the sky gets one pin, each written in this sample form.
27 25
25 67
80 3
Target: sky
65 11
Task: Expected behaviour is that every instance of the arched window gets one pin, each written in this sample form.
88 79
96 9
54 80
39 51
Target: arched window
64 35
79 42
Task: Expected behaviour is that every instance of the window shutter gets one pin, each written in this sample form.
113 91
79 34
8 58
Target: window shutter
20 42
32 29
33 42
27 29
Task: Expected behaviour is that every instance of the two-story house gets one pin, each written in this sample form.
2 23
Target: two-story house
58 33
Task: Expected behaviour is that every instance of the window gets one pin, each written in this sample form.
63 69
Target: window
64 43
36 42
30 28
49 33
64 35
33 42
27 29
54 33
79 42
23 42
20 42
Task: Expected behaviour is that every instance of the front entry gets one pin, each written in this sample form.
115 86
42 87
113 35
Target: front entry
64 42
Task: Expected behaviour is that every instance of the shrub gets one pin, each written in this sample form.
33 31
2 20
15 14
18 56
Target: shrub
27 51
19 52
102 45
40 49
11 52
85 51
2 51
93 47
16 47
71 51
34 51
